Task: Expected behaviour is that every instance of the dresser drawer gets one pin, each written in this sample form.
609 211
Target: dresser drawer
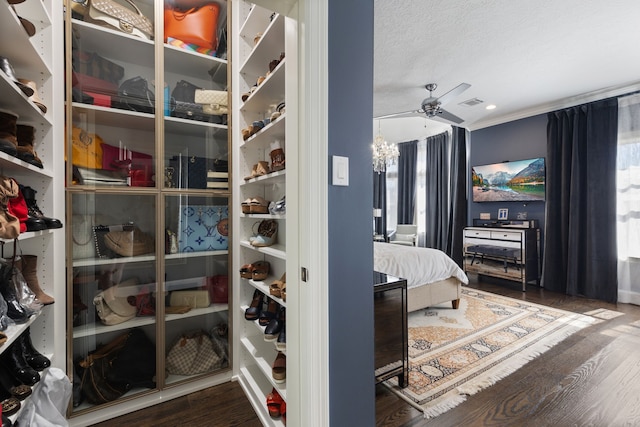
483 234
507 235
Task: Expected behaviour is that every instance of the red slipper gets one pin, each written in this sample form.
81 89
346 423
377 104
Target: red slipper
274 403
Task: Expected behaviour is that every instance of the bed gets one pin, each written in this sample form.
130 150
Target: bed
432 277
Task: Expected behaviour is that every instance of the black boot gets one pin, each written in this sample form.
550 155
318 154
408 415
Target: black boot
14 361
29 195
36 360
15 310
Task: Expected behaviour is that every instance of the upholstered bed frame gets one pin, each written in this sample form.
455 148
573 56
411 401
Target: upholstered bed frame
420 297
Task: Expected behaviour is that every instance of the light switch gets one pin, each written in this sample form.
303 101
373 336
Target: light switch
340 170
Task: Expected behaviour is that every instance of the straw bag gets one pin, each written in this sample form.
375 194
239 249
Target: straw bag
214 102
131 242
121 17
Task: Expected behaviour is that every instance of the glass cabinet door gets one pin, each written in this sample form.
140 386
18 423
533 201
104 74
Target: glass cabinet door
113 96
196 285
114 282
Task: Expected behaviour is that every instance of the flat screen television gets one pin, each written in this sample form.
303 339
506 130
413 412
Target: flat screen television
519 181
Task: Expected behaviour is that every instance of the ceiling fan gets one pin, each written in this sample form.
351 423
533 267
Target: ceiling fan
432 106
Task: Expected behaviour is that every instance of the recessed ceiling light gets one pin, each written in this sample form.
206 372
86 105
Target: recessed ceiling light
490 107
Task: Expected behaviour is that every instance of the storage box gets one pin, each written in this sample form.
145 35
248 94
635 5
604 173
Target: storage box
203 228
218 180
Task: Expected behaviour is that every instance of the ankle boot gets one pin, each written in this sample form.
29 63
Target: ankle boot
25 135
18 207
33 357
14 361
30 273
15 310
9 223
8 140
29 195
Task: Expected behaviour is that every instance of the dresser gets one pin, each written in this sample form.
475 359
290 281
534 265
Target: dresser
391 333
510 253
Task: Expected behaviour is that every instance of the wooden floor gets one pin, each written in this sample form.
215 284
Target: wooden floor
592 378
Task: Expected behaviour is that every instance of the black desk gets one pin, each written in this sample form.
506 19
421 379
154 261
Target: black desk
391 333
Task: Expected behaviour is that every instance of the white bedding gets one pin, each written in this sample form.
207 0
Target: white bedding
420 266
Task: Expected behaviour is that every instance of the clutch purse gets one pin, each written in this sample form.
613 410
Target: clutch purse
121 17
213 101
193 299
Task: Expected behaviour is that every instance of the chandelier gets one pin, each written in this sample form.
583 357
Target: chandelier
384 153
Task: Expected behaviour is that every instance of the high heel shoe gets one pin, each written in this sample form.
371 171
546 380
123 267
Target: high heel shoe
255 309
275 288
270 313
260 270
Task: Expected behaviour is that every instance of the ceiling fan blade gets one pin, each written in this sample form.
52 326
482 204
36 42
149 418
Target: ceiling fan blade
445 115
453 93
404 113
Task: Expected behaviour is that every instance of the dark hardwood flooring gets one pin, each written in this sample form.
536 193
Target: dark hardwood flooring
592 378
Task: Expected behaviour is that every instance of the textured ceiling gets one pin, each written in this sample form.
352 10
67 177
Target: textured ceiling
526 57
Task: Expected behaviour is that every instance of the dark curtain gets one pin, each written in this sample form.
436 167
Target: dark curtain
407 171
458 191
580 237
380 202
437 191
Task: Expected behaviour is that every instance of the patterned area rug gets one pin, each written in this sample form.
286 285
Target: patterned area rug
457 353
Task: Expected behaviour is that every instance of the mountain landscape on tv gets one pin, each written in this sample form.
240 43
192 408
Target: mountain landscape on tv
521 181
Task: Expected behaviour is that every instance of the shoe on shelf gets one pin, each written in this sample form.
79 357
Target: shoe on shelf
279 368
267 232
275 325
246 271
270 313
260 270
258 205
281 342
275 288
255 309
274 403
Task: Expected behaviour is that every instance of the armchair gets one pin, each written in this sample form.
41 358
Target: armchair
404 234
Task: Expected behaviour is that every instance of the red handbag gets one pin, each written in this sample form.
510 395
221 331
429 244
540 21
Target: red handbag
197 25
218 287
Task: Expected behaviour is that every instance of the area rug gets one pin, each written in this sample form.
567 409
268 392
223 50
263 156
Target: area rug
457 353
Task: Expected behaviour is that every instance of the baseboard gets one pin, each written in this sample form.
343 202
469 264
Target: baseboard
629 297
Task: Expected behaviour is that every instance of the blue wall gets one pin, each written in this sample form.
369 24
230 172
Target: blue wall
517 140
351 358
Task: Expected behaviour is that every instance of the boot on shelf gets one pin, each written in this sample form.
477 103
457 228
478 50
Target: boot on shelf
13 359
8 140
30 272
25 135
33 357
15 310
29 195
18 207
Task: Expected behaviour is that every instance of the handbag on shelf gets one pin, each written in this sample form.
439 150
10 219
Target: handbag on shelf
214 102
190 298
183 103
86 150
130 241
193 353
128 19
134 94
197 25
113 309
203 228
192 171
218 288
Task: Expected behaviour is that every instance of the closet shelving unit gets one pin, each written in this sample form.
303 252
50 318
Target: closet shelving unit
154 208
263 36
34 58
